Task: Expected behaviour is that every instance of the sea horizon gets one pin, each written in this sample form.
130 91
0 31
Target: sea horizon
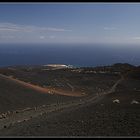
78 55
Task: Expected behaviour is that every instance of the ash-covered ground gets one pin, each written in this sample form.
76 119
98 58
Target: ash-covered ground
115 113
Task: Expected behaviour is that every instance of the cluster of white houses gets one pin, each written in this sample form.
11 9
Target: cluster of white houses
58 66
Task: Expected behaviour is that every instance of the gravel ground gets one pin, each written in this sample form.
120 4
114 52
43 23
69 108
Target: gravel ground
101 119
14 97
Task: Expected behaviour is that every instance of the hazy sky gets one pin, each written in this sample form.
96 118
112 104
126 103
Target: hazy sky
70 23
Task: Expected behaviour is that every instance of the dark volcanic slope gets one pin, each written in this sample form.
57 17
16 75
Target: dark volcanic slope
103 118
100 118
14 96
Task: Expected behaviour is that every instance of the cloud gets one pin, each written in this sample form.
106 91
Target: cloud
42 37
52 37
7 29
7 37
110 28
13 27
26 28
57 30
136 38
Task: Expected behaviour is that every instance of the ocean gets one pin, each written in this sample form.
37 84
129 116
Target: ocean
81 55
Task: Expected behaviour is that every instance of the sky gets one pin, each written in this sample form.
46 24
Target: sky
112 23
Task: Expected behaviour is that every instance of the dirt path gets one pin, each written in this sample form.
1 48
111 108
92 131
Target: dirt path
113 88
10 118
44 89
72 88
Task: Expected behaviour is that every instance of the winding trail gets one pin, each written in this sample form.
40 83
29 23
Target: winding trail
72 88
44 89
113 88
10 118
